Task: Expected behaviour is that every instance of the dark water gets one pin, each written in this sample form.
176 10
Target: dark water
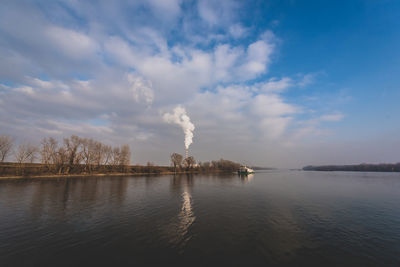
277 218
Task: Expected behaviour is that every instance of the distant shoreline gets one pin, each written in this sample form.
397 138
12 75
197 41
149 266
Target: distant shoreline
384 167
63 175
36 170
55 176
12 170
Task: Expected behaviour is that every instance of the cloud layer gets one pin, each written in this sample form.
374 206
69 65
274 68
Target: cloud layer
110 70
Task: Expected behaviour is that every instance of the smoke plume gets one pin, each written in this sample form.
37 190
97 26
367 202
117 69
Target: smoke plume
180 117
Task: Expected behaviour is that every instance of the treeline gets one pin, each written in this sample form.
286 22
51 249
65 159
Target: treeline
189 163
220 165
75 155
384 167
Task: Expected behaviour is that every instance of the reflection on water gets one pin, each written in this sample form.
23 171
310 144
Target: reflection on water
179 226
246 177
277 218
186 216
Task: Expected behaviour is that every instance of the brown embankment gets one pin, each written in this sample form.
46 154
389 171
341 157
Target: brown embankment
11 170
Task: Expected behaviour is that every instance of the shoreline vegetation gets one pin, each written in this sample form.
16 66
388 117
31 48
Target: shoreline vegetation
11 170
383 167
77 156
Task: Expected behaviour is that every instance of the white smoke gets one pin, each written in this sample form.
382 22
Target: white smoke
180 117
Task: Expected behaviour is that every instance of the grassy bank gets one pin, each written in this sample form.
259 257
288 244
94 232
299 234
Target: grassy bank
93 175
12 170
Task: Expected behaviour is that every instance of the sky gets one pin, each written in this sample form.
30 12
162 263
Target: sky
268 83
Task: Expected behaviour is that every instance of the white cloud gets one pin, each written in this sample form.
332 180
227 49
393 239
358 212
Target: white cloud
125 70
49 85
217 13
121 51
225 60
236 109
307 80
238 31
141 89
272 106
323 118
207 12
25 89
70 43
276 86
168 8
312 128
275 127
80 128
257 60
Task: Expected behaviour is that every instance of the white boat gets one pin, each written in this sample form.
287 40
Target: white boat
245 170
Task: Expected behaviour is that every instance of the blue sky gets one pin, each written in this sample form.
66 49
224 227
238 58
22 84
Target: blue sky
273 83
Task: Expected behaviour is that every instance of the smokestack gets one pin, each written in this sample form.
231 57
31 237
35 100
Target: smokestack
186 153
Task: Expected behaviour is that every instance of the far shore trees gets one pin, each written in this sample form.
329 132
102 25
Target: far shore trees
189 162
75 155
221 165
125 157
25 153
176 160
49 152
6 144
71 149
382 167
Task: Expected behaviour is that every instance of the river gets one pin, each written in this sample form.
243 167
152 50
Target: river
271 218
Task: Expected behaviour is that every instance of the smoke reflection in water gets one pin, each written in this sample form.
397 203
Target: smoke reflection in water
178 229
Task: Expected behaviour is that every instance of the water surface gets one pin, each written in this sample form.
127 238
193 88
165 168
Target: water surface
274 218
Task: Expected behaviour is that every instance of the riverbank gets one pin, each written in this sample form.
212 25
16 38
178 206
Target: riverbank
56 176
12 170
384 167
96 175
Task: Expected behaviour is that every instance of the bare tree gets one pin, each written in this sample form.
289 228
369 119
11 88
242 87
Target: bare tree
115 157
61 160
48 152
206 166
25 153
74 151
98 153
189 162
176 160
6 144
73 154
88 153
107 154
125 156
